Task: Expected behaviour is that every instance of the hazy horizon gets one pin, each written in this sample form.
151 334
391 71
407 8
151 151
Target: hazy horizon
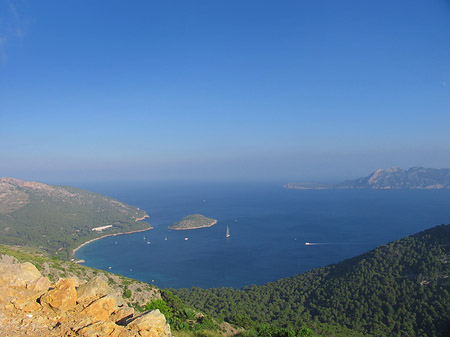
284 91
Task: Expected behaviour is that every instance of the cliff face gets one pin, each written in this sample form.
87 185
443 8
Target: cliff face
31 305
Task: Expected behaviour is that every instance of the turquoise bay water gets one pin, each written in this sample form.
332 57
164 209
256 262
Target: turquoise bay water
269 227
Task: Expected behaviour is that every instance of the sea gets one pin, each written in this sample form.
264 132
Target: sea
269 226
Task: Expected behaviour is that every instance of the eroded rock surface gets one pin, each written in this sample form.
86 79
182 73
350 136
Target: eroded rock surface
31 306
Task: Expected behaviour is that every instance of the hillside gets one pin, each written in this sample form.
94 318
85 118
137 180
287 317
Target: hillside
57 219
392 178
399 289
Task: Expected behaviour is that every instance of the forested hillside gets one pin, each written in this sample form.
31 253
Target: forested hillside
57 219
399 289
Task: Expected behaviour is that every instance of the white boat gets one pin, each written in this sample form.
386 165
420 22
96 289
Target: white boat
307 244
165 237
227 235
185 239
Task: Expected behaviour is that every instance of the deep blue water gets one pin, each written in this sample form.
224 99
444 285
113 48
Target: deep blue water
269 227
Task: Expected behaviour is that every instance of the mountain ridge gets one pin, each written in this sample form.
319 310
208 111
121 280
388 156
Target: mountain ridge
416 177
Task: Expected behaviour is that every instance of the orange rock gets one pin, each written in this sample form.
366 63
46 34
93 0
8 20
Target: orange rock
102 329
150 324
18 275
101 309
40 285
24 295
93 290
62 298
121 315
27 301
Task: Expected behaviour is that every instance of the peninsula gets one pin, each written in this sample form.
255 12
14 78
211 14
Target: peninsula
58 219
415 178
193 221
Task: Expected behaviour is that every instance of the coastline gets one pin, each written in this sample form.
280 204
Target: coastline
186 229
105 236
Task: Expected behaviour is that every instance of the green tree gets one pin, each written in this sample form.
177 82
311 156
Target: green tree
162 306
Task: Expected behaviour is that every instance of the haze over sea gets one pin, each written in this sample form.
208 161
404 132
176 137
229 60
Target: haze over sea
269 227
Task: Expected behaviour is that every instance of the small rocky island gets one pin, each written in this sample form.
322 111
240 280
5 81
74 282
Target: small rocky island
193 221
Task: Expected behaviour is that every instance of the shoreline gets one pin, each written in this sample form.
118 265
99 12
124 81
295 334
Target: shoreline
186 229
105 236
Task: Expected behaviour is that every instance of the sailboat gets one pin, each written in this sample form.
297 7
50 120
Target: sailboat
228 232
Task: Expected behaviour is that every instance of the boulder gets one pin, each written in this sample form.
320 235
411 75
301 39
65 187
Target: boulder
150 324
40 285
102 329
62 298
21 284
101 309
93 290
26 300
18 275
7 259
122 315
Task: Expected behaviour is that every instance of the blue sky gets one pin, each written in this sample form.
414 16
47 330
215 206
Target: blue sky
222 90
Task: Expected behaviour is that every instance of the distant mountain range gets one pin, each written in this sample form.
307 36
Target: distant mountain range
391 178
56 219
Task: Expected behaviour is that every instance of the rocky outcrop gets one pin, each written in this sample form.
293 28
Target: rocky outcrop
150 324
31 305
62 298
21 285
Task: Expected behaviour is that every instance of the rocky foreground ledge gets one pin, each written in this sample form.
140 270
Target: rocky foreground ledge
32 306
